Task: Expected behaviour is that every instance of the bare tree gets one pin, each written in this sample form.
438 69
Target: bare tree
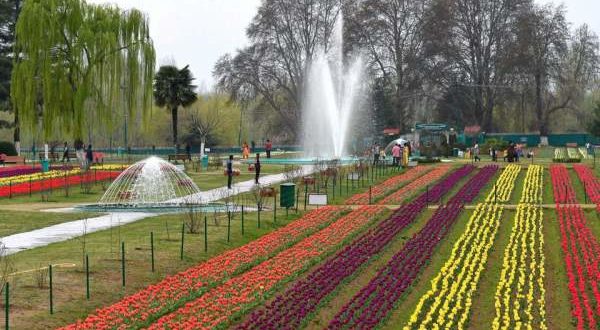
284 36
204 124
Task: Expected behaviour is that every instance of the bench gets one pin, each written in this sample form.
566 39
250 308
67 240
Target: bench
184 157
571 145
4 159
52 156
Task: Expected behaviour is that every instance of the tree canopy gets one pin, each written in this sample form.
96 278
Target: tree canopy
77 62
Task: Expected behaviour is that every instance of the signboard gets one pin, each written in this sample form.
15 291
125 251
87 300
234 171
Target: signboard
317 199
431 127
353 176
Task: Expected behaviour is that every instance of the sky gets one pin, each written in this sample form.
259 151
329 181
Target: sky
199 32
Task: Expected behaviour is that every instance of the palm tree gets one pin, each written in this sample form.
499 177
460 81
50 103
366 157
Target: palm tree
173 88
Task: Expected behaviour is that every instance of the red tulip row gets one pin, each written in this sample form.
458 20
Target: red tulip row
155 300
581 252
383 189
48 184
425 180
590 182
240 293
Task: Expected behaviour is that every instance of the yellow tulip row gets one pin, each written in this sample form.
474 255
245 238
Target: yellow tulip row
36 176
109 167
448 302
520 294
504 187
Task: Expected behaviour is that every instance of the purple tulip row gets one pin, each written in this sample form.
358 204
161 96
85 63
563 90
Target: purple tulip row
6 173
372 303
288 309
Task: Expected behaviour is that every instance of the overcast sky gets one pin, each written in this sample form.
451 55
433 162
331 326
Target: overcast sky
198 32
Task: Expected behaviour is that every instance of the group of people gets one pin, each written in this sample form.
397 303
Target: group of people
85 155
400 154
511 154
246 150
245 155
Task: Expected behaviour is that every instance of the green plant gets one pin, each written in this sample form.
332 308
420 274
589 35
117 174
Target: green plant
7 148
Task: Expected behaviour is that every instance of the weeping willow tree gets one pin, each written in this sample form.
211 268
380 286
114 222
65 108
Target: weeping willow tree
78 63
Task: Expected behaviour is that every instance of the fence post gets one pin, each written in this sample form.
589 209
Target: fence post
275 208
205 235
242 220
6 305
123 264
258 215
370 195
182 239
305 195
50 287
29 186
228 226
152 249
10 189
297 198
87 277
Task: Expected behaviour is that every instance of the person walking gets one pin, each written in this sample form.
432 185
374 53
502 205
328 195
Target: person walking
257 168
229 171
89 156
268 147
79 152
245 151
405 155
66 152
476 152
375 154
188 151
396 151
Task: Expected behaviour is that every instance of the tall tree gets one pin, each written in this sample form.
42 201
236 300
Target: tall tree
9 13
470 42
75 60
173 88
391 32
284 36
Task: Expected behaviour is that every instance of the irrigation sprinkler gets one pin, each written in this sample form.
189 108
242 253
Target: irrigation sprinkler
51 297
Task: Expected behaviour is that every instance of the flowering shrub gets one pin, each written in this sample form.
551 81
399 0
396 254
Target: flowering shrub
160 298
448 302
372 303
520 293
580 250
219 304
383 189
400 195
109 167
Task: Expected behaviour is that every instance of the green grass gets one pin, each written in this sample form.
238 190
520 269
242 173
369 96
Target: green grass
13 222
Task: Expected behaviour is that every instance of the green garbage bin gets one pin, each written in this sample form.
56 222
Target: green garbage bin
288 195
45 165
455 152
204 162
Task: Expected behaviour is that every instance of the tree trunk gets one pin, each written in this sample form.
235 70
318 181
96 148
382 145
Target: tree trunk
539 106
174 120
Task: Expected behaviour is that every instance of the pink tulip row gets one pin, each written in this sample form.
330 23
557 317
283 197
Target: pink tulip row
581 252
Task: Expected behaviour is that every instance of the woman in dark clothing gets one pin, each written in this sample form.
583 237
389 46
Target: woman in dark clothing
89 156
257 168
229 171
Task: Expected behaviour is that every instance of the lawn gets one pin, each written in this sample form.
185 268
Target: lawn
13 222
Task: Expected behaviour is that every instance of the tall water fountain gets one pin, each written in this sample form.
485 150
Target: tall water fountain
332 92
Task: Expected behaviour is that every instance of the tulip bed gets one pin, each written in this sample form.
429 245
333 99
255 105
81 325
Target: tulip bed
520 293
374 301
36 176
581 252
244 291
385 188
290 308
425 180
18 170
52 182
590 182
158 299
448 302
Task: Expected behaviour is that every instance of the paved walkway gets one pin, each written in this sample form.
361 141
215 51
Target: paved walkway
69 230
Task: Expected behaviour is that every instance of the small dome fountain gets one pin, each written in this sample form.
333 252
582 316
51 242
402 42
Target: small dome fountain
152 182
